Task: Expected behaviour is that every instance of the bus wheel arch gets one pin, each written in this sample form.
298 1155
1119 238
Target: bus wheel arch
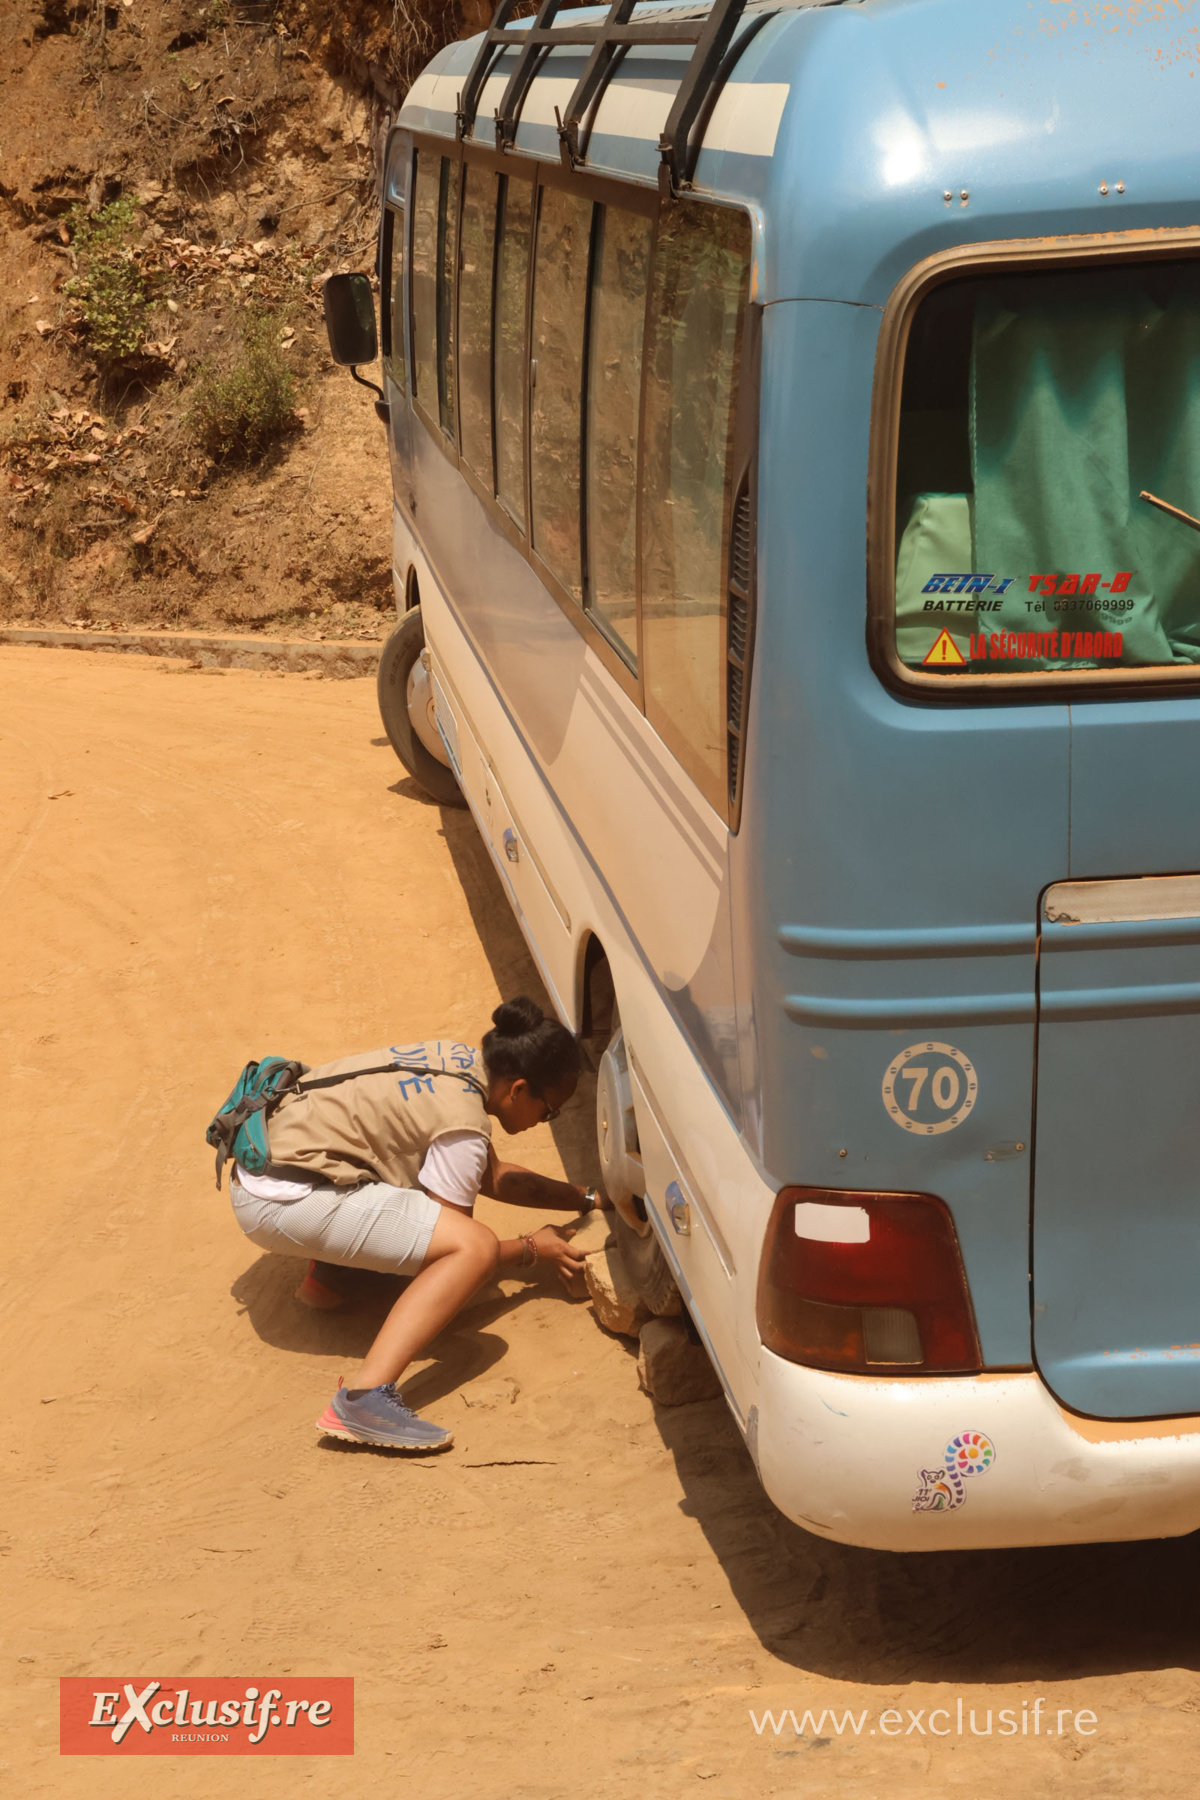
406 708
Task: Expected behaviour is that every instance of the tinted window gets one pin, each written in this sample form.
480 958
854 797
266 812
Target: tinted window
435 234
426 206
477 258
620 272
701 279
556 374
447 256
393 295
512 271
1046 416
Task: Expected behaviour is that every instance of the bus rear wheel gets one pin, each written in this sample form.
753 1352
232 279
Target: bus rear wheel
647 1268
624 1180
406 708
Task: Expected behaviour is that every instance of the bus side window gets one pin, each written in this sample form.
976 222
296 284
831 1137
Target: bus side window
447 259
476 268
424 279
512 274
435 233
392 290
701 279
620 272
560 281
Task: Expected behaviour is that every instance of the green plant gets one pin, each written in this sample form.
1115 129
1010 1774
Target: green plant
238 408
110 289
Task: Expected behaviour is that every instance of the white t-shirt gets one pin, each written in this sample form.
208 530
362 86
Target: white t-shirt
453 1171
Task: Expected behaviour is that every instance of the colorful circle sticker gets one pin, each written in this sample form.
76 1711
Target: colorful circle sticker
970 1454
929 1088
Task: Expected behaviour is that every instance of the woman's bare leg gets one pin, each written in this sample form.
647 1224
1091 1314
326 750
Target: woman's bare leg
462 1255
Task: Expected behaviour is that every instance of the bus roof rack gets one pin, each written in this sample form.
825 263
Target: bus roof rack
709 29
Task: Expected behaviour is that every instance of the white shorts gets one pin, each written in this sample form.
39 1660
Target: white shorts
373 1227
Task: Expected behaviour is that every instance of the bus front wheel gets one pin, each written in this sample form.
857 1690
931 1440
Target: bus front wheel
406 708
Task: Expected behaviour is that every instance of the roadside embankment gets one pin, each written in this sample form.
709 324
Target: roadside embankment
336 661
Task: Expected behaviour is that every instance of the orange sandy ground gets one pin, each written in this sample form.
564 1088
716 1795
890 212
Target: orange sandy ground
586 1597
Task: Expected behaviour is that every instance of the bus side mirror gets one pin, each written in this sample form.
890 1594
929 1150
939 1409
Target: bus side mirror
350 319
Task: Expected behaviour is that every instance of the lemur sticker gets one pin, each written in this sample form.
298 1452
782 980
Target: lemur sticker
929 1088
943 1490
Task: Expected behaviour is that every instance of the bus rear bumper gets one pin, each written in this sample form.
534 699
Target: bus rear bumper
877 1462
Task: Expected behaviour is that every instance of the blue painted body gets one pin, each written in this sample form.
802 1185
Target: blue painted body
884 884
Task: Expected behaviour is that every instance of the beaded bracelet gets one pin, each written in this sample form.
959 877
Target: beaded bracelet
529 1260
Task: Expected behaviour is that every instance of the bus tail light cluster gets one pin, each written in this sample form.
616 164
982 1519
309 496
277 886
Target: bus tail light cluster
866 1283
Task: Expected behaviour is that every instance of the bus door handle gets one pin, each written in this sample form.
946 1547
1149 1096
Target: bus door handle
512 848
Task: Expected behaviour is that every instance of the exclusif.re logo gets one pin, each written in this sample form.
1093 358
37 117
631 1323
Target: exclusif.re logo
206 1716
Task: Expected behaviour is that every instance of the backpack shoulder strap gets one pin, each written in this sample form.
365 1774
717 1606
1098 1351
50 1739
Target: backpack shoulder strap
324 1081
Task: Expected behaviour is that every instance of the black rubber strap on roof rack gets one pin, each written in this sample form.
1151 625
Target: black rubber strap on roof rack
496 39
713 93
529 59
707 61
605 58
588 121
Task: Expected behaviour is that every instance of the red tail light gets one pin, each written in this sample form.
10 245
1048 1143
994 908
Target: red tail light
872 1283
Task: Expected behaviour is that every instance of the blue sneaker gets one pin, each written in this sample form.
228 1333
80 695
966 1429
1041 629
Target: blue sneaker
379 1416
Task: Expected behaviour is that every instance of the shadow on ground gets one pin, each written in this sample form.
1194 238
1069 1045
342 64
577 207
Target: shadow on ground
467 1348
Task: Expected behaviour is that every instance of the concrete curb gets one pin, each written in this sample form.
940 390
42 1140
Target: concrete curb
337 661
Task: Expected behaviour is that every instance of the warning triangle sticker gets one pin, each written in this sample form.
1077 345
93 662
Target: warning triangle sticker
945 652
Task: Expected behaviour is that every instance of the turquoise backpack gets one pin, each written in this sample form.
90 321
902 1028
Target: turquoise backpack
240 1128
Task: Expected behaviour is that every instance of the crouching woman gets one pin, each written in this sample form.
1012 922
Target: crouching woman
380 1170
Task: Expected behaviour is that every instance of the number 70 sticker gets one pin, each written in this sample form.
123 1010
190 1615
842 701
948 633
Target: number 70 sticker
929 1088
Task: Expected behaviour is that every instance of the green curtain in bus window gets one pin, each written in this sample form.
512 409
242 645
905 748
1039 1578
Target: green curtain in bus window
426 208
556 375
512 273
621 264
447 254
476 260
936 540
394 276
701 276
1085 390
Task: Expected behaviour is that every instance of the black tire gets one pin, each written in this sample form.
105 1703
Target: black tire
395 663
648 1268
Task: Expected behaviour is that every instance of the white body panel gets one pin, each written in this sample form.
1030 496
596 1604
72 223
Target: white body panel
843 1455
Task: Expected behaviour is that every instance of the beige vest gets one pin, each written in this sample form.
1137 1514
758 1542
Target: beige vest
379 1127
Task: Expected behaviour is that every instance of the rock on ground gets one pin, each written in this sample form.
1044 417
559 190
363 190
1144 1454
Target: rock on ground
618 1305
590 1232
593 1231
672 1369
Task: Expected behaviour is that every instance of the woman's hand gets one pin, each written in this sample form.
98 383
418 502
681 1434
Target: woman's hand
553 1245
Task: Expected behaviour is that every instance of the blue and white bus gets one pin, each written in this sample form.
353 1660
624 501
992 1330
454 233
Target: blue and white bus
794 410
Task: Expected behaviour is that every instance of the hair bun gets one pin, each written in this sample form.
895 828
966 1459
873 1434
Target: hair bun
513 1018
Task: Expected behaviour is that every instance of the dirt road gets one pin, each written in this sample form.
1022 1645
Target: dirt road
585 1598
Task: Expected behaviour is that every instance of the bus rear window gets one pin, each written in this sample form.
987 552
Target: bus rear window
1048 476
